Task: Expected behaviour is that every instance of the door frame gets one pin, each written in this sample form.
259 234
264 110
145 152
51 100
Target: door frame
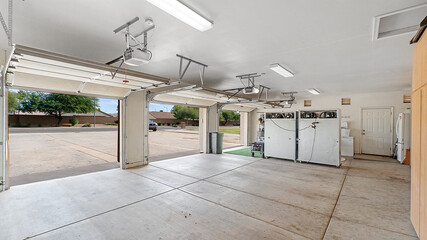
391 127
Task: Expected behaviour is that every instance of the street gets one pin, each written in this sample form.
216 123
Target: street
57 152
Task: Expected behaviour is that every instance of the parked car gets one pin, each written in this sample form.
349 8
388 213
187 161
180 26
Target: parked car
152 125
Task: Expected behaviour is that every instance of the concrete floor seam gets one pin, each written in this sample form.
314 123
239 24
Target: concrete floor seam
296 165
208 176
336 202
364 224
273 200
99 214
377 178
176 172
175 188
244 165
244 214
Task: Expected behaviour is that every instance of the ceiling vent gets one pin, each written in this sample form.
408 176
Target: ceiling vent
399 22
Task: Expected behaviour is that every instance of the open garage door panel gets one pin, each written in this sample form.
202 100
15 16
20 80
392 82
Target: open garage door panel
35 69
206 98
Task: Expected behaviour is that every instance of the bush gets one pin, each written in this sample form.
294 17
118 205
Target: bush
110 124
74 121
39 125
86 125
17 124
169 124
174 125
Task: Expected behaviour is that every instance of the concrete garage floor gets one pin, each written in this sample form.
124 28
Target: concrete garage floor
216 197
37 156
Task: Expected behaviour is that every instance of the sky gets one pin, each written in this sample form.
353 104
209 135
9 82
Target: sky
110 106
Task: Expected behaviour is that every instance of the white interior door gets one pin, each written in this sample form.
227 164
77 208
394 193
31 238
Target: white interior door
377 131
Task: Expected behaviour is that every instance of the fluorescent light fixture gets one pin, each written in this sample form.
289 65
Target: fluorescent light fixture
183 13
281 70
313 91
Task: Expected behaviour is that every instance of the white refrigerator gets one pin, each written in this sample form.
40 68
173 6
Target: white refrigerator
403 134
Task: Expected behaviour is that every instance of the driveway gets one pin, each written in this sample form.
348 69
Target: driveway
56 153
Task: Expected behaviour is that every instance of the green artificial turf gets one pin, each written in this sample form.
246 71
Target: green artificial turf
244 152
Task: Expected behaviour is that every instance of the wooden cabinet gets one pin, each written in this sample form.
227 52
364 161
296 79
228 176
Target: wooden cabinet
419 140
415 161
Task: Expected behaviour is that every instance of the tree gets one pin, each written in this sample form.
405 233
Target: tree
185 113
51 103
29 101
227 115
13 102
57 104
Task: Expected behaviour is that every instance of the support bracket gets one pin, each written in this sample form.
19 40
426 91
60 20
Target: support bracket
189 61
262 88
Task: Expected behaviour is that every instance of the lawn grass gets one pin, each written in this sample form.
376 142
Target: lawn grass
244 152
222 130
230 130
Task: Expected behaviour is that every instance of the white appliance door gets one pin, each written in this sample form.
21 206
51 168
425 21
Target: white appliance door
400 152
399 128
279 138
320 145
407 131
347 146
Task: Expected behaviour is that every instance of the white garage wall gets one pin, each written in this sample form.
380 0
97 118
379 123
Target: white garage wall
352 113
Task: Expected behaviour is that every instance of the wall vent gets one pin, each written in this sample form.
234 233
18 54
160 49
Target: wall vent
345 101
406 98
399 22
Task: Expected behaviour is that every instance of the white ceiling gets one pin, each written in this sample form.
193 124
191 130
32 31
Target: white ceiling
327 44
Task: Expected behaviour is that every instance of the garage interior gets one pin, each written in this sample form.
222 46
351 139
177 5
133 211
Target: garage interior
332 99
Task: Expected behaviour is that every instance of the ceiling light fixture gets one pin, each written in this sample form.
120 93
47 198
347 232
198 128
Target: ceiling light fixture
313 91
281 70
183 13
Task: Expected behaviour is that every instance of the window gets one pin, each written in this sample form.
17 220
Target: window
307 103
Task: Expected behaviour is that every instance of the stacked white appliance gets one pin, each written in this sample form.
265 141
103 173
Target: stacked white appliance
280 132
347 141
403 134
319 137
